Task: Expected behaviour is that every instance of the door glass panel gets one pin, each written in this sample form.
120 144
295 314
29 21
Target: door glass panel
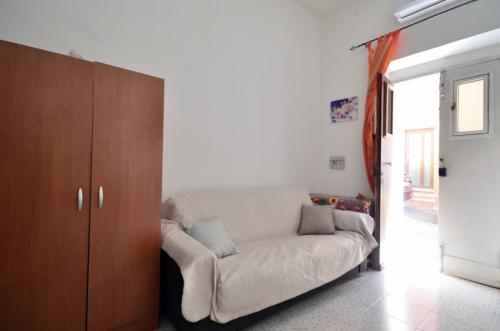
470 106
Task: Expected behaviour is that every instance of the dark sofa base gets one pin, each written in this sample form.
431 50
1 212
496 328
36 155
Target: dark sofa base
171 286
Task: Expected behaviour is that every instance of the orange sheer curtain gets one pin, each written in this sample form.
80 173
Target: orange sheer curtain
379 58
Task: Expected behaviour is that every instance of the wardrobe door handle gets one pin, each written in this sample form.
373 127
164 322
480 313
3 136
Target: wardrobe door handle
101 196
79 199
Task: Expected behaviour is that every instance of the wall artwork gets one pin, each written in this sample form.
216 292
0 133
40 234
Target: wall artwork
343 110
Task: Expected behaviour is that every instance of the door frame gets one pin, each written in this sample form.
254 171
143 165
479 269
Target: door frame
472 57
376 262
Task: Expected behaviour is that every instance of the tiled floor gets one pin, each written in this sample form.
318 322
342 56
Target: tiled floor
410 294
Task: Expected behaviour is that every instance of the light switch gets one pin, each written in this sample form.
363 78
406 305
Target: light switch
337 162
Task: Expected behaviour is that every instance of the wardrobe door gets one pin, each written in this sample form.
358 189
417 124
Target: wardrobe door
45 148
126 200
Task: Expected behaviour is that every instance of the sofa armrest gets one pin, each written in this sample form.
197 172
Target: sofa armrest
361 223
198 266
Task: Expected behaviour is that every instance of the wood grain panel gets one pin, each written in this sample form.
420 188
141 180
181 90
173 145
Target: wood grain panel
45 148
125 233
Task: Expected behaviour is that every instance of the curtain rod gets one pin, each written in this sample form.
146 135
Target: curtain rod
413 24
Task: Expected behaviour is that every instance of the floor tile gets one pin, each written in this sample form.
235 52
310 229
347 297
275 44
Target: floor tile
367 295
164 324
438 322
376 320
495 323
421 297
405 311
479 315
345 308
298 320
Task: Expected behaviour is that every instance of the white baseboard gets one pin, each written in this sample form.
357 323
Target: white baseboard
470 270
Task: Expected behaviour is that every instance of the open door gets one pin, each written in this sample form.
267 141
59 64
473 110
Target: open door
383 172
469 194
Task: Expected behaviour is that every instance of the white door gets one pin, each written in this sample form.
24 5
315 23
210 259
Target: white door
469 218
385 113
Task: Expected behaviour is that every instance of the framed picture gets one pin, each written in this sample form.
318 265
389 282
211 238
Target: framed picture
343 110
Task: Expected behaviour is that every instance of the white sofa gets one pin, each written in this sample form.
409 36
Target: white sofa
274 263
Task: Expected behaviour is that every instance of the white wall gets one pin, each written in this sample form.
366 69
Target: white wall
248 82
344 73
242 78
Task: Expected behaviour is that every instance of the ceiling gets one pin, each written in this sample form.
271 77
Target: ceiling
474 43
323 7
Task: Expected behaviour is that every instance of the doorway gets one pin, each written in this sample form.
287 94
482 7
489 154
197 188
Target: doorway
412 231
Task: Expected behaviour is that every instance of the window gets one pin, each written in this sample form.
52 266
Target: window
470 106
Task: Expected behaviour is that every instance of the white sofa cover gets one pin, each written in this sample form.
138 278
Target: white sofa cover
274 264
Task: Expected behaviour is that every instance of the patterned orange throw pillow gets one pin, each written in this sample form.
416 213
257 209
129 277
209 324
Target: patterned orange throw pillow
353 204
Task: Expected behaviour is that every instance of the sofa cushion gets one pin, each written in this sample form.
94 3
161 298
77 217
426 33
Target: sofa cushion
361 205
317 220
212 235
269 272
248 215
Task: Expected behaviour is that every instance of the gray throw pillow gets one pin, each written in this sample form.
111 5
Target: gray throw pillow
212 234
317 220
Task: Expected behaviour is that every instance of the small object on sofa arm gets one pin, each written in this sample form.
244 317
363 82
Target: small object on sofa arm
317 220
198 265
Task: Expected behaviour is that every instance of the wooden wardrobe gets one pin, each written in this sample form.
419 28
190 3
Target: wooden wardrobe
80 193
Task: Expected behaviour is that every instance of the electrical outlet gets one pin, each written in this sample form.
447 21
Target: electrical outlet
337 162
